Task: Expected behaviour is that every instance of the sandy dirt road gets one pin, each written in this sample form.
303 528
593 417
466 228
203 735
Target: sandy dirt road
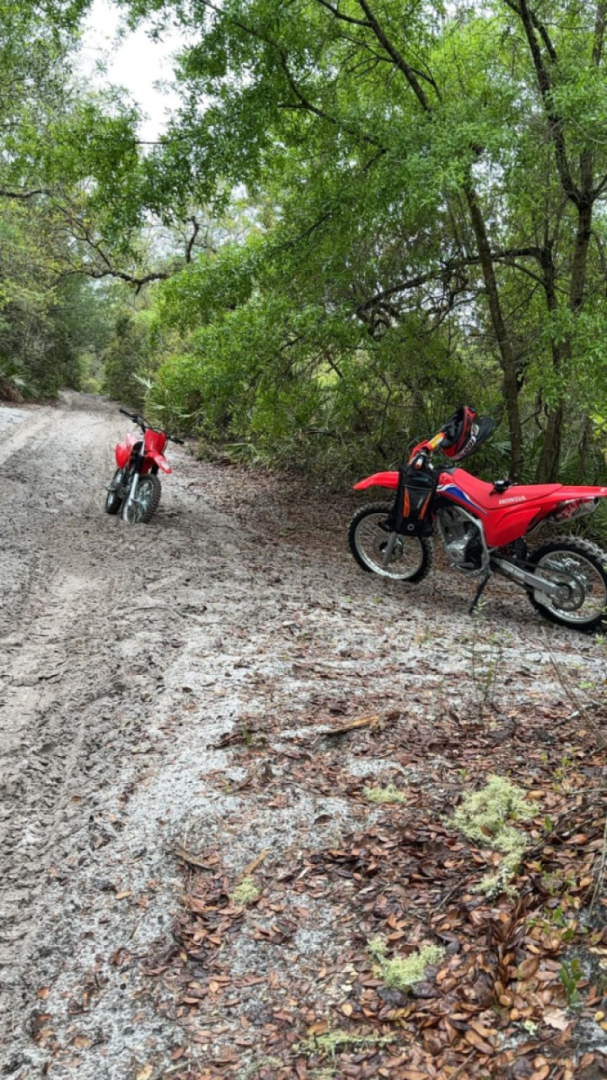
125 655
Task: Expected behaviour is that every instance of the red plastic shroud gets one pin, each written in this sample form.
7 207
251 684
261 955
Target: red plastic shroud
506 515
154 444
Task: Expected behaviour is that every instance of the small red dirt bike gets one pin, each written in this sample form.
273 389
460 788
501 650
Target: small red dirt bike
484 528
135 485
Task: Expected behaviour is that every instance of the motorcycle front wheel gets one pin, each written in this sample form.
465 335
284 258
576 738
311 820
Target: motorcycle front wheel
580 567
142 508
369 536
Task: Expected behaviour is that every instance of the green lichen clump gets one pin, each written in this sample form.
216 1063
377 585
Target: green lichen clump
246 893
261 1063
327 1045
402 973
486 817
388 794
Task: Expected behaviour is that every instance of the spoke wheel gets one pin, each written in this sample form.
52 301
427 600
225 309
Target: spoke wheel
145 504
369 536
580 569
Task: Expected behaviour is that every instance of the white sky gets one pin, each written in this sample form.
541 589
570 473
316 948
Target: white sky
137 63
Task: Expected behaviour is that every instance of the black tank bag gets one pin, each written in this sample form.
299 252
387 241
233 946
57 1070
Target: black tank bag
410 514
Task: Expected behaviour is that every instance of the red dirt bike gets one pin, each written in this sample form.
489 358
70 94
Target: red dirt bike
484 528
135 485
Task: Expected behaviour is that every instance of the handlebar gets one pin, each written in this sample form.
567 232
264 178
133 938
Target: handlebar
144 424
135 418
424 450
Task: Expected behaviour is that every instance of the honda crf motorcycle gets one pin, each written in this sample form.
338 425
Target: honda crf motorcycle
135 486
485 528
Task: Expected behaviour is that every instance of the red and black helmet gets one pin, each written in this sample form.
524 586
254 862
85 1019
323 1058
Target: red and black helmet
464 433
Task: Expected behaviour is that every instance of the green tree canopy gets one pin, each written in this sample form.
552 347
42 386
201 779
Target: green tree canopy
441 164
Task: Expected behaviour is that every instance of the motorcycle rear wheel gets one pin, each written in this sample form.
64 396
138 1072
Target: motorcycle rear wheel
145 504
411 559
582 567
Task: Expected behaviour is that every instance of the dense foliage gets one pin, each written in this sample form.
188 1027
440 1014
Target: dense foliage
371 210
426 222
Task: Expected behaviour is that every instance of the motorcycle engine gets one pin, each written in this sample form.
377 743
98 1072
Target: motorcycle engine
461 538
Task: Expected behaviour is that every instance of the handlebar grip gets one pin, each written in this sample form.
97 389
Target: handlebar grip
180 441
125 413
437 440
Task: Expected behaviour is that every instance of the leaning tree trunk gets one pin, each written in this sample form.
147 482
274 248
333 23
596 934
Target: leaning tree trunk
507 360
548 464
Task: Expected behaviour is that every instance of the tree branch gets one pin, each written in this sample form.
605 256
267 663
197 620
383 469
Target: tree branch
5 194
447 269
192 240
340 15
539 26
599 33
530 23
310 107
122 275
396 56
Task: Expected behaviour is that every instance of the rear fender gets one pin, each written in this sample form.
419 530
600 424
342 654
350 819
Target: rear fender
508 523
379 479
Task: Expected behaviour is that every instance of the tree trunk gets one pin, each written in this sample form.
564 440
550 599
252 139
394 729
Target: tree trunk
508 363
548 466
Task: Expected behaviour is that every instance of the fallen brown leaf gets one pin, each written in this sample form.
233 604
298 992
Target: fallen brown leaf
362 721
255 863
556 1018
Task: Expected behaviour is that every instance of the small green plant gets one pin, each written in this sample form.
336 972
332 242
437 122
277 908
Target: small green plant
246 892
570 975
14 385
486 817
485 667
402 973
565 766
388 794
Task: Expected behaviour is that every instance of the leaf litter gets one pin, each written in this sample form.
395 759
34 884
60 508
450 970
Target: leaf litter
487 996
271 731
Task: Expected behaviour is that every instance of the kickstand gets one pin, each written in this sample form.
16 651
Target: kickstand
479 592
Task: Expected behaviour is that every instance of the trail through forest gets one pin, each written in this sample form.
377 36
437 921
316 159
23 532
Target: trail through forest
168 700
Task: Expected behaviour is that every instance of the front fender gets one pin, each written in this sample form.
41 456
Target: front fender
159 460
379 479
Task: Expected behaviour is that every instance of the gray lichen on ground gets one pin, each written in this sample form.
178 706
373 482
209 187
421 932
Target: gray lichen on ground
487 817
401 973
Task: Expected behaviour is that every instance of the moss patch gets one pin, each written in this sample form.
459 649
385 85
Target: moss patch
401 973
388 794
486 817
246 893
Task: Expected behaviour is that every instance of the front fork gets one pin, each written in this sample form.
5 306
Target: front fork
134 484
389 549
